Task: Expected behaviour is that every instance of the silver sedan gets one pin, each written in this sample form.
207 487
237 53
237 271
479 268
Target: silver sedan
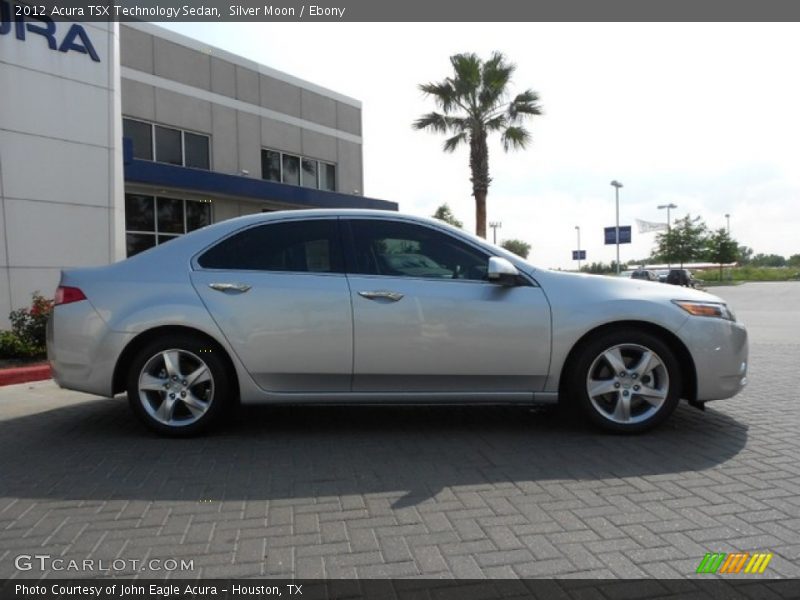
356 306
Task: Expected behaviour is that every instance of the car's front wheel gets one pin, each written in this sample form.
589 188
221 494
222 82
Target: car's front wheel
627 381
178 386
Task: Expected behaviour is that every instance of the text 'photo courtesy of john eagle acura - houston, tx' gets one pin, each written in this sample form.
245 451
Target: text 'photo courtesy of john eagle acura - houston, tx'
374 307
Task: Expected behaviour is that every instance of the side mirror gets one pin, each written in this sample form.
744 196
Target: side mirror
502 272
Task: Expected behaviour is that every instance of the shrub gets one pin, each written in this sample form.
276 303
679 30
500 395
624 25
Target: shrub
13 347
27 338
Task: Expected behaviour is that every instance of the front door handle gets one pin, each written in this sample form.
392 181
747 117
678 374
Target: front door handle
238 288
382 295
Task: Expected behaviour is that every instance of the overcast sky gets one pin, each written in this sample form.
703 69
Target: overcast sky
706 116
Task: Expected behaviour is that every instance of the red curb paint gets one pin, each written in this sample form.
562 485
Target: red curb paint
24 374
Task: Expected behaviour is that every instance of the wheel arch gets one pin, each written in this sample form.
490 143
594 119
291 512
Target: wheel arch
145 337
682 354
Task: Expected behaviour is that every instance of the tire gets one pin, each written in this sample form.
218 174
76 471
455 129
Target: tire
179 385
639 394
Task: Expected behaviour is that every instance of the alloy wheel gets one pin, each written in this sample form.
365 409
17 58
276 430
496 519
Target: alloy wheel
627 383
176 387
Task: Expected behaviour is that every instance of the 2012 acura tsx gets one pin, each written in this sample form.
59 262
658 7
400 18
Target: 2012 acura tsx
357 306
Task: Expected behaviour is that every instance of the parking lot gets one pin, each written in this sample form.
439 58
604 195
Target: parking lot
396 492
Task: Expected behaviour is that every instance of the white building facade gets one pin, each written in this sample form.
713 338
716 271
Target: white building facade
117 137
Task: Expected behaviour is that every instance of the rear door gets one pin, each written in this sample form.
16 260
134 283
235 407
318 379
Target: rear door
279 294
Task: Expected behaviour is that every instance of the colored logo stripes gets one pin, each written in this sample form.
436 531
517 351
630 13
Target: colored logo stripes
734 563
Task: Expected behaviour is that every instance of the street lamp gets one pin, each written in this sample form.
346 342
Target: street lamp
495 225
669 207
578 229
728 218
617 185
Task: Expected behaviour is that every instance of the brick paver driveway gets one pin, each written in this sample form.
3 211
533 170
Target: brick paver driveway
471 492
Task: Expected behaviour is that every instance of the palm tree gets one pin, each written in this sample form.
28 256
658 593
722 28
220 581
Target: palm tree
474 103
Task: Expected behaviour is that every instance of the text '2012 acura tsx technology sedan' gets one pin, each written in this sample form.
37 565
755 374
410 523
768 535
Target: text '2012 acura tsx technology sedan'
373 307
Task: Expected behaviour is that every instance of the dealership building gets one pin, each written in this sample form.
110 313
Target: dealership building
118 137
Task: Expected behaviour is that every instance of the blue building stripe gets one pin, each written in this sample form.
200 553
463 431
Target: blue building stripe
201 181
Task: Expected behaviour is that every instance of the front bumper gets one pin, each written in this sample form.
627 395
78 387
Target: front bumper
719 349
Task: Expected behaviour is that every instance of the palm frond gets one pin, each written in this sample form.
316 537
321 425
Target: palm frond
443 93
496 123
495 77
526 103
515 137
454 142
434 121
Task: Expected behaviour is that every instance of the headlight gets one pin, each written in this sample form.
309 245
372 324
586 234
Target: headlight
706 309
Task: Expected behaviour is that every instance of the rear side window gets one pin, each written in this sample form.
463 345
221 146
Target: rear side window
304 246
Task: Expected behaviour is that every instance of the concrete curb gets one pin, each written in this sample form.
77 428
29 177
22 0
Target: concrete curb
25 374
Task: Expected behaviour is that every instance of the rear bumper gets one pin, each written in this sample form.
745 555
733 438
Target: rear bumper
82 350
720 351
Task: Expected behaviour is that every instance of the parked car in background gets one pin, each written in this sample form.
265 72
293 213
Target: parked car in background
682 277
644 274
662 275
374 307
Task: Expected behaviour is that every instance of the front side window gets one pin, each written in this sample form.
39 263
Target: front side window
407 250
298 246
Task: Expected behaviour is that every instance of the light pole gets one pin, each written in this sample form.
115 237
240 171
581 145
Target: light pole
495 225
578 229
617 185
669 207
728 218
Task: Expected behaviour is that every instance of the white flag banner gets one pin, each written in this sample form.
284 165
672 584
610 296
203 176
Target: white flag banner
648 226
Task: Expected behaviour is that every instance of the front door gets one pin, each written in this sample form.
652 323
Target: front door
426 319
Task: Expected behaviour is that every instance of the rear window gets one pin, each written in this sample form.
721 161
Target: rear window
299 246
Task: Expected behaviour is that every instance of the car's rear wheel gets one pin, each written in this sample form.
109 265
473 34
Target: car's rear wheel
178 386
627 381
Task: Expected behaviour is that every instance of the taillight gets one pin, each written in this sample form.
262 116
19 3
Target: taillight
66 294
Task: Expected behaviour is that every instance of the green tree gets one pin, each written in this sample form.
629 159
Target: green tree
721 248
794 261
443 213
474 102
601 268
768 260
744 255
518 247
684 242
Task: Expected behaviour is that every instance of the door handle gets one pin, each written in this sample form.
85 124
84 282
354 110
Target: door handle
229 287
382 295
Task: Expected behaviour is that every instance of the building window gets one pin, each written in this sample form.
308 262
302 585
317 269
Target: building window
297 170
291 169
270 165
168 144
153 220
141 134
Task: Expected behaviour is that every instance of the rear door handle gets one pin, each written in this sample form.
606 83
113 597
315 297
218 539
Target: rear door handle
238 288
382 295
